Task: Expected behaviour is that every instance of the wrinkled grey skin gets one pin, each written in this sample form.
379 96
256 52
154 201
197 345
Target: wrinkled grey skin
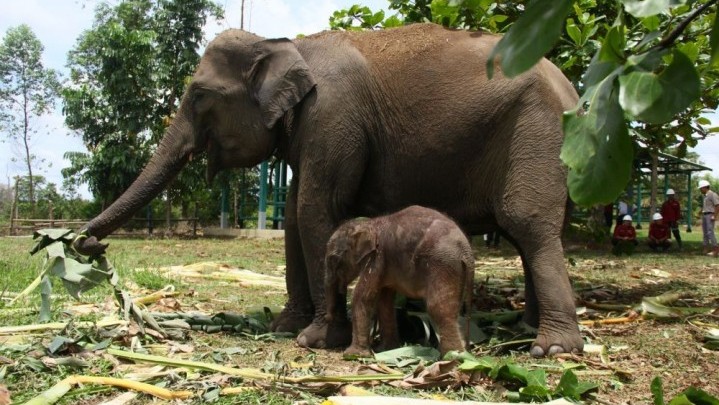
371 122
417 252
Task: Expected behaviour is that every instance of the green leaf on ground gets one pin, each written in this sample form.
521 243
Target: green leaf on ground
694 396
570 387
413 354
657 391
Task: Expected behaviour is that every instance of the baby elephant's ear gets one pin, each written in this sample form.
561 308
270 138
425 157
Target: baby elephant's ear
364 243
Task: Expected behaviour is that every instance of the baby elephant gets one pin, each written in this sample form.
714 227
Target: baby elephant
417 252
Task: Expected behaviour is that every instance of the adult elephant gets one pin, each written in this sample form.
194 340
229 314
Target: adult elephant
371 122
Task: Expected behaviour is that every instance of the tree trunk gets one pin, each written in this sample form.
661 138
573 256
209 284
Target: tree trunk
28 157
653 197
13 209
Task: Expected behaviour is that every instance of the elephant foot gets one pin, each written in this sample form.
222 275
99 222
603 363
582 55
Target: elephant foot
290 320
355 352
324 335
549 344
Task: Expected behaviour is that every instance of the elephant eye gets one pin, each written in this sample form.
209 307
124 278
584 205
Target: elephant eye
201 101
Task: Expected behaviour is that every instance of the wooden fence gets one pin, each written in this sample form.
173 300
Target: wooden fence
135 226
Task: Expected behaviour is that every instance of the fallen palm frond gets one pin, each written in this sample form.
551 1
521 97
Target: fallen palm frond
250 373
57 391
78 274
222 272
9 330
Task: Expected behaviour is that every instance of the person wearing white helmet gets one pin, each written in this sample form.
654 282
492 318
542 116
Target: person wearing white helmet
709 208
671 214
659 233
625 237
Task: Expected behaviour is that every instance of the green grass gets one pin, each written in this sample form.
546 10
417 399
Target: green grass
671 349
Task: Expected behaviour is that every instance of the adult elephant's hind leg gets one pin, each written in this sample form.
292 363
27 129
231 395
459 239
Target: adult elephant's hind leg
298 311
543 260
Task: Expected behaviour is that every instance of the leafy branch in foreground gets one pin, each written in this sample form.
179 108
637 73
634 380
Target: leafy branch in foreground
637 75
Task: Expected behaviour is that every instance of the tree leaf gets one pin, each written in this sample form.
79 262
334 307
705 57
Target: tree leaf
531 37
646 8
658 98
574 32
597 148
714 41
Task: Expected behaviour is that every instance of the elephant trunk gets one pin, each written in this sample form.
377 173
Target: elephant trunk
172 154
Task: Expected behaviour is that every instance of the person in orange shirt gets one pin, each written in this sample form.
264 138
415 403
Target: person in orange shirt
659 235
625 237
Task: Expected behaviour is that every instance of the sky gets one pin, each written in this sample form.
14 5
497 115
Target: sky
58 24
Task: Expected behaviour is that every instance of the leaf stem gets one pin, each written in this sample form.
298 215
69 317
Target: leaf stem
667 41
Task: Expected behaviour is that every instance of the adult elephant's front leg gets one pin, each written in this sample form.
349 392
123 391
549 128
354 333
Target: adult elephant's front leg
299 310
315 229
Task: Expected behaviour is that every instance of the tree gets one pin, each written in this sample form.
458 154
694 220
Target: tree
633 62
127 76
27 91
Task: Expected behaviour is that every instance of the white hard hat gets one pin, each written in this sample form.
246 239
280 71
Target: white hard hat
703 183
627 218
657 216
670 191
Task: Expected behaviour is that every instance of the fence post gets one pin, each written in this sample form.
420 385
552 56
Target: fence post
194 221
262 214
52 216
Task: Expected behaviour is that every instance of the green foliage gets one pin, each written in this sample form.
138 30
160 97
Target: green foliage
644 68
689 396
532 383
127 76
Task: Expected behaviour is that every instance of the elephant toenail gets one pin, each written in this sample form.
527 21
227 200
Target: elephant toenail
555 349
536 351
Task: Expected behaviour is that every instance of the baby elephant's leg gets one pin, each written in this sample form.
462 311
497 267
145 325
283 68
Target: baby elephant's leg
364 305
389 335
444 302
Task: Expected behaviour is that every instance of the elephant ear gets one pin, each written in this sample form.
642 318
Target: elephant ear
280 78
364 246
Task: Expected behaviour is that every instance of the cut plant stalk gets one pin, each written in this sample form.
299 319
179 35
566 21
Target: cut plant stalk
9 330
250 373
612 321
57 391
156 296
